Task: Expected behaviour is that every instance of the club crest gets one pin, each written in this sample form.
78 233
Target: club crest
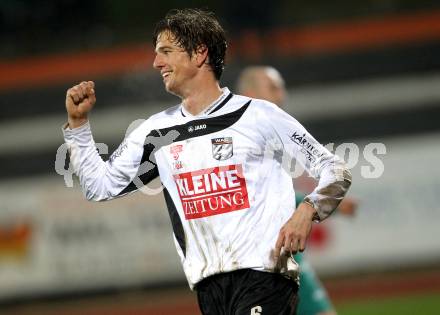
222 148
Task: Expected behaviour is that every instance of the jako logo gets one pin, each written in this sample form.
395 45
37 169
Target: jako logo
196 127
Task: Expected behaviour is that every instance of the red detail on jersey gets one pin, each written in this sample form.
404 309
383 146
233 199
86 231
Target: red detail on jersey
175 150
178 165
212 191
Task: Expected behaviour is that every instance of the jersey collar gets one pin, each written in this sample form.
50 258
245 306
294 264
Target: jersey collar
215 106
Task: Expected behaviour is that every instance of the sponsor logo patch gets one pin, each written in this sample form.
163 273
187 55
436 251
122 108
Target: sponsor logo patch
307 146
174 151
222 148
212 191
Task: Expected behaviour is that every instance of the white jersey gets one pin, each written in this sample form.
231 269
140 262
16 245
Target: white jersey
225 174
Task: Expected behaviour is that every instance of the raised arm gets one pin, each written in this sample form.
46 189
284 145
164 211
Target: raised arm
128 168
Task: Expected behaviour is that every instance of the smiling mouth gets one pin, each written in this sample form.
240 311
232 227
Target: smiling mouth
166 74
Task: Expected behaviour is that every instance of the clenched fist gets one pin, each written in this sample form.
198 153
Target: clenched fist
79 102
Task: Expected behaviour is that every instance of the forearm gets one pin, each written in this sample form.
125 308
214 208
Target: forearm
334 182
87 163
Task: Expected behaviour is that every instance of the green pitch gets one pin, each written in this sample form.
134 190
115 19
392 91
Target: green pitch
408 305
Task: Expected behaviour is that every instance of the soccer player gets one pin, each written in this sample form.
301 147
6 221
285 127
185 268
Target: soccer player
265 82
221 159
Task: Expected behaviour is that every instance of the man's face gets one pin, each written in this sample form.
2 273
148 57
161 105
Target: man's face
174 64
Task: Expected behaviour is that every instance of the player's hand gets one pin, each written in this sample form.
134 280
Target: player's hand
79 102
295 232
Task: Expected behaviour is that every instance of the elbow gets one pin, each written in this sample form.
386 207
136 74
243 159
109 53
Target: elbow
93 196
341 174
96 189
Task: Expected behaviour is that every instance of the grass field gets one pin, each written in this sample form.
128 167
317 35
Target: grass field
419 304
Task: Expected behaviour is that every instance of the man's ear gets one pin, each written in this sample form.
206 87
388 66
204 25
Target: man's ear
201 55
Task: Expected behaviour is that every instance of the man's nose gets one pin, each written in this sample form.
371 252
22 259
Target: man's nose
158 62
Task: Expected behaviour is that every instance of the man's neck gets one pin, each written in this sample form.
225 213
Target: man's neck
198 99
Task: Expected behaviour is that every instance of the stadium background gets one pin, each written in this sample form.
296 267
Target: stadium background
356 73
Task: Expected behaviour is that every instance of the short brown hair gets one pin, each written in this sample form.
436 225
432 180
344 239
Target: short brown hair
192 28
